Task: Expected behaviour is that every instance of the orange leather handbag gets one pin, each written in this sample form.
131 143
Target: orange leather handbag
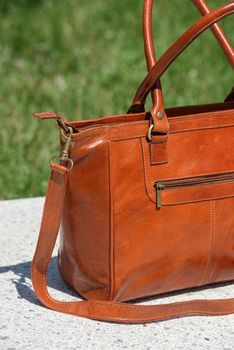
144 200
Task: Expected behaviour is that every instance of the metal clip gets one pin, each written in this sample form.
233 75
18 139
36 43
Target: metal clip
64 126
64 155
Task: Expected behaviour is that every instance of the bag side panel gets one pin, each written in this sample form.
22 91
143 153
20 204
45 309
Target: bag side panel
84 240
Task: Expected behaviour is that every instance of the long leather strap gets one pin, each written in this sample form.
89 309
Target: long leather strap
100 310
174 51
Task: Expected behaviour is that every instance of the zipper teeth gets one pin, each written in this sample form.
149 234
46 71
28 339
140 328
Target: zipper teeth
196 181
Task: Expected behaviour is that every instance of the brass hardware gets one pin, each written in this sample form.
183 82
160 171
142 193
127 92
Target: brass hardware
160 115
64 155
66 133
149 134
159 188
63 125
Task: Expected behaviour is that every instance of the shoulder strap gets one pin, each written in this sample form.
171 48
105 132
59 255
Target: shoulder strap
100 310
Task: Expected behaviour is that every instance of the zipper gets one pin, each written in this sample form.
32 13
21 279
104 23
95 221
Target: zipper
189 182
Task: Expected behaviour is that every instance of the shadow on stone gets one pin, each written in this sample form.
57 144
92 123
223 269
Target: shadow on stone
55 281
24 288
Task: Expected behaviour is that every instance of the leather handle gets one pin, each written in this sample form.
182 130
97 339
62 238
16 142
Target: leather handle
100 310
174 51
157 95
217 31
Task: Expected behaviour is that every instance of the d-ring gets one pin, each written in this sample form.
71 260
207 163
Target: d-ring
149 134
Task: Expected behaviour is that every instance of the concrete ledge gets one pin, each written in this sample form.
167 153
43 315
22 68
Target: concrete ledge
25 324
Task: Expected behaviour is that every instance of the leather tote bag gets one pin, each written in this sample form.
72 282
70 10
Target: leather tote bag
144 201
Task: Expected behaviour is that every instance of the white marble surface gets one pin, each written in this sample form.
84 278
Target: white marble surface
25 324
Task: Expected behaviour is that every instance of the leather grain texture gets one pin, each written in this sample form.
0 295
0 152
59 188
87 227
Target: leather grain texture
132 226
110 209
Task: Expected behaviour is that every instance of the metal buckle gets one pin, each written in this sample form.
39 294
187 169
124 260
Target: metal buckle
149 134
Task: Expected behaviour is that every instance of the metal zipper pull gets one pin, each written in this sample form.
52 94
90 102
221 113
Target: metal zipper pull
159 187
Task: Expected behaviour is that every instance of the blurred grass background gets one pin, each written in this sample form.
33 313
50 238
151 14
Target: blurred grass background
85 59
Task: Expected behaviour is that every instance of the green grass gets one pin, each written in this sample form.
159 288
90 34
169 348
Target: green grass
85 59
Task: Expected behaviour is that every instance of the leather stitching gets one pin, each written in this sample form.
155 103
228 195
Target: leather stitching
112 250
144 123
198 200
141 134
123 138
145 173
147 180
211 243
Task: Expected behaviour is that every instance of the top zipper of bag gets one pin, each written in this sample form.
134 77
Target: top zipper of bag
187 182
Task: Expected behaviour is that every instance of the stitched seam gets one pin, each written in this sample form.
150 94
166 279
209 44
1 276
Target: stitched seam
110 225
151 193
202 128
143 134
198 200
112 262
214 234
195 129
177 177
124 138
113 237
145 172
211 242
207 115
190 117
191 176
123 125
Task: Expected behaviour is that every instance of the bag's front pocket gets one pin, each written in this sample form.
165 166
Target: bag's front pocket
194 189
218 189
